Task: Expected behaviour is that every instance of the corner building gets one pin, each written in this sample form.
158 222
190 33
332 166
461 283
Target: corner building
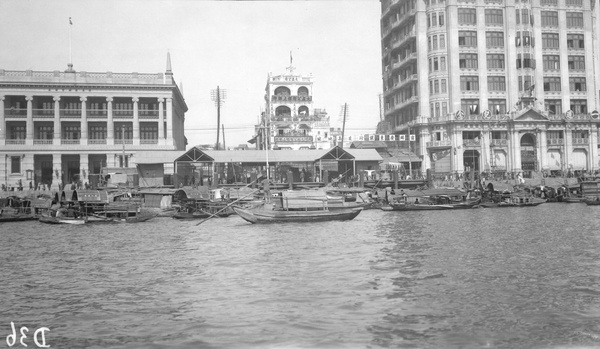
494 85
59 127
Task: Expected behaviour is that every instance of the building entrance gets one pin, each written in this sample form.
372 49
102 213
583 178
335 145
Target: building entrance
528 153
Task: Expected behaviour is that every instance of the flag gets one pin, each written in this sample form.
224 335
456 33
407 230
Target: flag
291 58
70 22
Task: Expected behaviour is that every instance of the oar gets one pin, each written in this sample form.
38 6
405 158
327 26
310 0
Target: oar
226 206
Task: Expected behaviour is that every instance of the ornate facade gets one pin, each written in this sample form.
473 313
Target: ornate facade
60 127
499 85
290 118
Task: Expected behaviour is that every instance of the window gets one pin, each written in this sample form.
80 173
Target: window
575 41
443 63
493 17
17 132
444 108
469 83
524 39
128 130
577 84
148 131
576 63
434 19
467 60
551 84
553 106
442 41
579 106
434 42
550 19
525 61
470 106
496 83
497 106
441 19
525 84
436 85
494 39
574 3
467 16
45 132
550 40
71 132
574 19
97 132
444 86
522 16
495 61
551 62
15 164
467 38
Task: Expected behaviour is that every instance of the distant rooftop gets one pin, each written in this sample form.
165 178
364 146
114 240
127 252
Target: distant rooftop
83 77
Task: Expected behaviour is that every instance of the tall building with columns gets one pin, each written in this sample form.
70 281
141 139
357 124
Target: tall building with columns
494 85
60 127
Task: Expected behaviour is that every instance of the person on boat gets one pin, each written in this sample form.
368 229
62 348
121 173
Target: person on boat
417 201
266 189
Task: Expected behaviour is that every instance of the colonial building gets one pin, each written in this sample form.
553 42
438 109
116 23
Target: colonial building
290 119
490 85
61 127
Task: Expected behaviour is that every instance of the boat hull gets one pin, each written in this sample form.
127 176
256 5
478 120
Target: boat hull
16 218
55 220
281 216
416 207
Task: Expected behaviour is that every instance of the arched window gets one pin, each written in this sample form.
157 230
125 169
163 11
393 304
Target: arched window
303 110
282 91
282 110
528 140
302 91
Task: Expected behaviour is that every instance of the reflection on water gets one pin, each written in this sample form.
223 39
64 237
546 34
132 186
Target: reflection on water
484 278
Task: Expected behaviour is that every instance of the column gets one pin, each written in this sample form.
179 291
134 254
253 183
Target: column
84 168
2 122
84 123
136 122
543 148
568 146
170 121
110 127
57 130
56 171
161 122
29 122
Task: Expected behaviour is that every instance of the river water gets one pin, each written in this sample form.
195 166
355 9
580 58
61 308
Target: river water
481 278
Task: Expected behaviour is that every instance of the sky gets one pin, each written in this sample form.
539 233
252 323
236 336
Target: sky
230 44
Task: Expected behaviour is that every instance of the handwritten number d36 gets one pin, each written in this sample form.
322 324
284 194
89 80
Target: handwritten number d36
11 339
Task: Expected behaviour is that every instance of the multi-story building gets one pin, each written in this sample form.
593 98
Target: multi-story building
61 127
290 118
510 85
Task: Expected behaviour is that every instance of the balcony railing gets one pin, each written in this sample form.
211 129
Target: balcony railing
70 113
95 113
43 113
123 141
122 113
15 113
148 141
437 144
499 142
96 141
148 114
69 141
471 142
581 141
555 141
15 142
40 141
285 98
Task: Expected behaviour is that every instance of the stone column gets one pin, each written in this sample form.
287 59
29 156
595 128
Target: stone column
29 122
84 169
161 122
56 171
170 121
84 123
2 122
57 131
543 149
568 146
136 121
110 127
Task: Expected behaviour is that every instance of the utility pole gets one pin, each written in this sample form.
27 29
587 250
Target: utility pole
344 110
224 147
123 143
218 96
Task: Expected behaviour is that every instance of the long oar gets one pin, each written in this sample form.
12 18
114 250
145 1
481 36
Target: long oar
226 206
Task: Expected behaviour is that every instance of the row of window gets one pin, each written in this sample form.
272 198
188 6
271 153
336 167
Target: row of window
498 84
468 38
74 132
499 106
468 16
435 19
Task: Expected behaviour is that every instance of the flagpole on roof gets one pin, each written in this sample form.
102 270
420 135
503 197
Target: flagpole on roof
70 65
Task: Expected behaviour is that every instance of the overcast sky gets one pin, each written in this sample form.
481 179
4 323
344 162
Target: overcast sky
231 44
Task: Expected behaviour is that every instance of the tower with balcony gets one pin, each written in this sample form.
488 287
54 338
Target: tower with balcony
60 127
499 85
290 121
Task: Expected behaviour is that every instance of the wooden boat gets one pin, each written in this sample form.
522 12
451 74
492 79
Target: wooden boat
269 214
63 220
403 206
515 201
433 202
593 201
16 217
15 209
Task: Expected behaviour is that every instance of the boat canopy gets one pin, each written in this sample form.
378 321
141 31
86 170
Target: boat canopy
188 193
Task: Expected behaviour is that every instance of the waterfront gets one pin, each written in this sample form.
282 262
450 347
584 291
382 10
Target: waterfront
491 278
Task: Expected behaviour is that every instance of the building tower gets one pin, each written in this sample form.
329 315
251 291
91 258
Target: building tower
289 116
494 85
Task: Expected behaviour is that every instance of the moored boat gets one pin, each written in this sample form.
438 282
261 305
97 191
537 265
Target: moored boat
593 201
267 214
63 220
